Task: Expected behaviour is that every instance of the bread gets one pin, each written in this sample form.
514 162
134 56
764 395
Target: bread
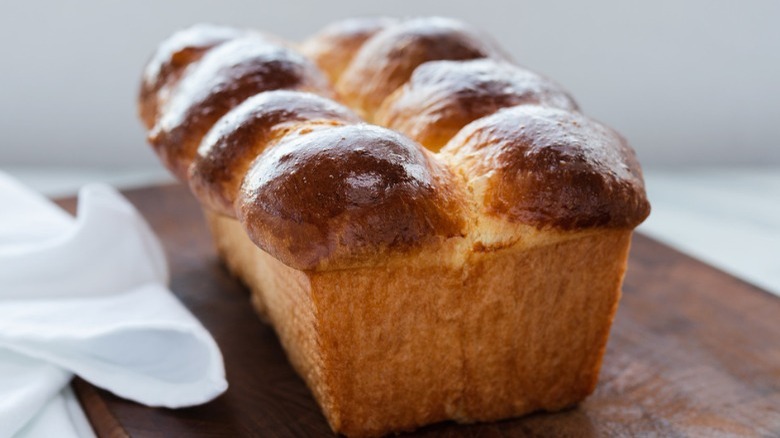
460 259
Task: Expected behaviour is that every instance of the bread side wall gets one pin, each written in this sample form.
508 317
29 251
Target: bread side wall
395 347
537 323
281 295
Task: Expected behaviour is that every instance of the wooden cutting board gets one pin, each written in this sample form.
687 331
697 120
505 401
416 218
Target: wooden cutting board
693 352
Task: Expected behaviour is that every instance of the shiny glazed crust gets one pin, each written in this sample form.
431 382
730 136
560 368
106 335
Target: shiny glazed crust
484 208
564 171
334 46
387 59
442 97
382 192
550 168
222 78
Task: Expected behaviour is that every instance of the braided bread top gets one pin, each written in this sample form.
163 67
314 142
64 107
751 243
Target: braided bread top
473 149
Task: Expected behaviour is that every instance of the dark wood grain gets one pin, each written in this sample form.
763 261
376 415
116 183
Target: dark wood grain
693 352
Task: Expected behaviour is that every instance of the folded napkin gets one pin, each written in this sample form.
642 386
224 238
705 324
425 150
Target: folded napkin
88 297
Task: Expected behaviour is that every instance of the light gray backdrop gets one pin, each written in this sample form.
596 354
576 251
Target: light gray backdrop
688 82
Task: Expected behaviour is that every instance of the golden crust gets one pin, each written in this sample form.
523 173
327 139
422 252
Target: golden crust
228 150
333 48
407 286
550 168
334 197
388 58
166 66
442 97
222 79
567 172
500 334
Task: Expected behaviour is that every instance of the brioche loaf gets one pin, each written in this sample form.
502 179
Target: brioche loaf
461 258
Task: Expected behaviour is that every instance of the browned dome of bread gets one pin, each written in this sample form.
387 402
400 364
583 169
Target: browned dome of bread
388 58
348 194
442 97
221 80
169 61
333 47
237 139
549 167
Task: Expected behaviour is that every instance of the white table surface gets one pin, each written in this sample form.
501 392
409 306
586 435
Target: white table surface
727 217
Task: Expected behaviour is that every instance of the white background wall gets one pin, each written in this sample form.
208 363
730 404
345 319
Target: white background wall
688 82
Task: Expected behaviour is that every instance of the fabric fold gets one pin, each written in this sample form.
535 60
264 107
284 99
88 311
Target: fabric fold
109 249
88 296
141 345
26 385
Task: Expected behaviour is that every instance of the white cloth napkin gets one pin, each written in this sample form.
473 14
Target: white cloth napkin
88 297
